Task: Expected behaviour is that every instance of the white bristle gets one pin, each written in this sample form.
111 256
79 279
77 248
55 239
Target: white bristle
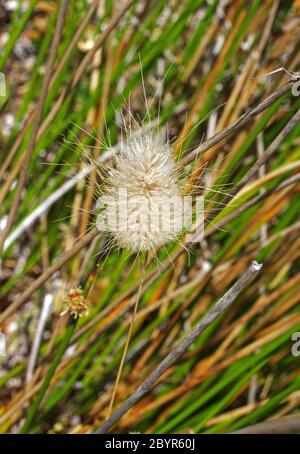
145 169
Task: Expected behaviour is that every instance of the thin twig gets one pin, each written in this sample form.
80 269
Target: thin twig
242 121
287 425
270 150
171 358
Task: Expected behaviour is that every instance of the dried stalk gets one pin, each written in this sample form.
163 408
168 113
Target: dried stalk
172 357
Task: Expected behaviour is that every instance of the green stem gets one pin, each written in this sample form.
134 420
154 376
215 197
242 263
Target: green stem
62 347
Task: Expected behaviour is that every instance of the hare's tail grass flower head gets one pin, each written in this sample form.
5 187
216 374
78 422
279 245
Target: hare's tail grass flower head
142 203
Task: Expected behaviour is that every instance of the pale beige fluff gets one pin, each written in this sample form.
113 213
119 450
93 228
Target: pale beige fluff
150 212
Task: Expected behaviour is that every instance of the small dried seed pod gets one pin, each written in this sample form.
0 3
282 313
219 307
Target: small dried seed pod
76 303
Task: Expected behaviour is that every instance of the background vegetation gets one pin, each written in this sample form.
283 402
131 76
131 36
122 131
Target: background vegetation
73 71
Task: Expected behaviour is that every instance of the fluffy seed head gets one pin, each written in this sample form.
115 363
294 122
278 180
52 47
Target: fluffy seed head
144 208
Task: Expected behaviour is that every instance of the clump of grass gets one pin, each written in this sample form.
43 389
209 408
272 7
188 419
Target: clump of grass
198 57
